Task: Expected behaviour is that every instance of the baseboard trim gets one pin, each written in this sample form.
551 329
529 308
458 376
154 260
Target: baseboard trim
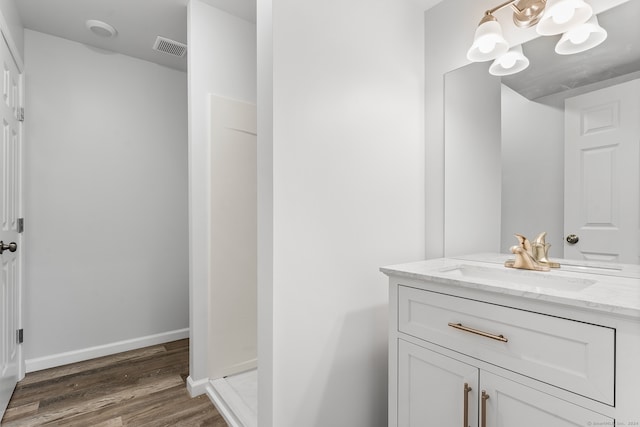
230 405
74 356
196 388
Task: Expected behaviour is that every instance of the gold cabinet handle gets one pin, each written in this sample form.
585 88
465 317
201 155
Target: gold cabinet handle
483 415
478 332
467 389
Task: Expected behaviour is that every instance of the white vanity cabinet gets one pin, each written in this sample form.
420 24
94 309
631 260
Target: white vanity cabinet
431 388
536 361
438 390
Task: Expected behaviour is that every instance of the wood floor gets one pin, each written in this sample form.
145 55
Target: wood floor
144 387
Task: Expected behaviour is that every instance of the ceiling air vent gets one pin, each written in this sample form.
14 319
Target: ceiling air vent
169 46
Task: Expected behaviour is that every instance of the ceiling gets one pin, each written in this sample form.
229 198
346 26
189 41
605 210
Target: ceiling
138 23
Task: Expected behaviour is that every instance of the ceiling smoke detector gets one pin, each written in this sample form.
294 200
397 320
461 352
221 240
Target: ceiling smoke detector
169 46
100 28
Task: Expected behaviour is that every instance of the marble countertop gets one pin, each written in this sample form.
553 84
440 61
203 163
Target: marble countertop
611 288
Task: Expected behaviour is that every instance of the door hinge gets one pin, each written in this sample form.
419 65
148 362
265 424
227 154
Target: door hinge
20 225
20 336
21 114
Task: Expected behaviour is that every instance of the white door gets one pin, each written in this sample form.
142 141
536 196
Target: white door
511 404
434 390
602 174
10 190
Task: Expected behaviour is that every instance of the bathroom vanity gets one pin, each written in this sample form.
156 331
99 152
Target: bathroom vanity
476 344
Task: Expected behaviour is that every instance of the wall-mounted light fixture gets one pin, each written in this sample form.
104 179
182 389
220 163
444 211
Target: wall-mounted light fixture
574 18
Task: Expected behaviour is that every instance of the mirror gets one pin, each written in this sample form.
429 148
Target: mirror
532 148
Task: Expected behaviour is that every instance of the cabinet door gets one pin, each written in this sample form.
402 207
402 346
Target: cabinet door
431 389
512 404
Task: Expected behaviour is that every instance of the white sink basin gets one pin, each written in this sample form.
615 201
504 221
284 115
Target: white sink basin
521 277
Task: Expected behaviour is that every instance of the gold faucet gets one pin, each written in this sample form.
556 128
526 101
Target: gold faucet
531 256
541 251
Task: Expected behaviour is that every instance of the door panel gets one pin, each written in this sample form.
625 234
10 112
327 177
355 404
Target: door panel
602 178
10 185
512 404
431 388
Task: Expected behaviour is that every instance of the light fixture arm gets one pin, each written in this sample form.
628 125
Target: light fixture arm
511 3
526 13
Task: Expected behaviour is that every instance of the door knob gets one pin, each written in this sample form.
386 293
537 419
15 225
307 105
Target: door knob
572 239
11 247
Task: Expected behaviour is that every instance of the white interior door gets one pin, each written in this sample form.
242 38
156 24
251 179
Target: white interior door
602 174
10 191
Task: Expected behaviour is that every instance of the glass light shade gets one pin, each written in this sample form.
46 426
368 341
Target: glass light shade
511 62
581 38
562 15
488 42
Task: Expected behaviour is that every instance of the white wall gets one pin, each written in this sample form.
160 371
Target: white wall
221 61
472 161
454 21
346 162
106 197
532 171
